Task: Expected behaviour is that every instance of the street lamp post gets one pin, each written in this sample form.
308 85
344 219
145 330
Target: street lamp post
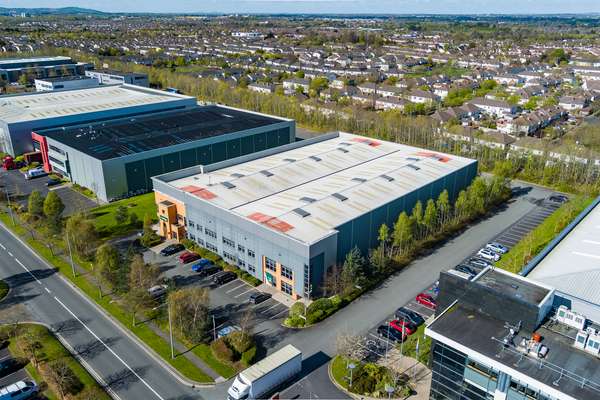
390 390
170 326
351 367
71 256
12 217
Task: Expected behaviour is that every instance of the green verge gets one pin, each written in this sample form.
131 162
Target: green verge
339 371
104 216
204 352
534 242
143 332
3 289
52 349
409 347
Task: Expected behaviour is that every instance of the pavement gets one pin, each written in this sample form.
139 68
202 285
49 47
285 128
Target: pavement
131 373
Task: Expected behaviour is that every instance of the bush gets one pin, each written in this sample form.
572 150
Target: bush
248 356
322 304
240 342
315 317
221 350
297 309
294 321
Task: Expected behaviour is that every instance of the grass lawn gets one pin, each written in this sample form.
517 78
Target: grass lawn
3 289
143 332
204 352
52 349
104 216
340 372
409 348
539 238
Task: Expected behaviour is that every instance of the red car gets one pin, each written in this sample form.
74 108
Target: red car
426 300
409 328
188 256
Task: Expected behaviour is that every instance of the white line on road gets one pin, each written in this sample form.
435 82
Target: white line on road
235 288
244 292
267 309
47 290
10 254
28 271
3 248
109 349
281 312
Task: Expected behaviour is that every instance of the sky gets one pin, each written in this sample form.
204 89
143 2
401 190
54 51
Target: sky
326 6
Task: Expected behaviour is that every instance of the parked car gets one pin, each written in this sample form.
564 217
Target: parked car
257 298
409 328
479 262
386 332
466 269
497 247
426 300
201 264
411 316
171 249
558 198
488 255
8 366
19 391
35 173
224 277
226 330
210 270
188 257
53 182
158 291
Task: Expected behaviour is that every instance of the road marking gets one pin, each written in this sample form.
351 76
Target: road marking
591 241
109 349
267 309
28 271
47 290
281 312
243 293
10 254
586 255
235 288
3 248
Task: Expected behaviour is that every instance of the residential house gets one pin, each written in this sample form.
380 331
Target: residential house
422 97
496 108
262 87
572 103
290 86
390 103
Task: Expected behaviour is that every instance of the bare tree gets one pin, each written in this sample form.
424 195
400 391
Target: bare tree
60 375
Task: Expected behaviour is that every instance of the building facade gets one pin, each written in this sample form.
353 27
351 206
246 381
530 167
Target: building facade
65 83
108 77
287 214
12 69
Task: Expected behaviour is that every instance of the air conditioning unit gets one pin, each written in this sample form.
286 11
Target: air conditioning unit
593 342
581 339
570 318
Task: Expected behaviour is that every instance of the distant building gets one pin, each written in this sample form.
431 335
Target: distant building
262 87
23 113
287 214
65 83
248 35
496 108
291 85
118 157
572 103
11 69
110 77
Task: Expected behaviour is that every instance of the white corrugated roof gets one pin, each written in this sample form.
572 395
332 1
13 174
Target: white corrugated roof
270 363
20 108
307 192
573 266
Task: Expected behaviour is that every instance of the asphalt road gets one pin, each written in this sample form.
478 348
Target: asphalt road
122 364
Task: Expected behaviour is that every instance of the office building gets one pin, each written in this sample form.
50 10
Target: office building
11 69
65 83
288 213
506 337
117 157
23 113
110 77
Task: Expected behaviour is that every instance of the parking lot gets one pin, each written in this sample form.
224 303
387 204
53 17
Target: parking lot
12 377
229 302
509 238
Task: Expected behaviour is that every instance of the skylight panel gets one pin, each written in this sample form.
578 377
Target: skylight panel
387 178
228 185
315 158
413 167
301 212
359 180
266 173
340 197
307 199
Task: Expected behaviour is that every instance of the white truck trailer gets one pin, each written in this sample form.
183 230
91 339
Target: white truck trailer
267 375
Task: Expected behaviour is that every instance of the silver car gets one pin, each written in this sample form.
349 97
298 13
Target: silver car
497 248
488 254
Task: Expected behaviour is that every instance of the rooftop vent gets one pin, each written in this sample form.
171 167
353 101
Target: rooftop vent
360 180
340 197
342 150
228 185
266 173
237 175
301 212
413 167
307 199
345 144
315 158
413 159
387 178
289 160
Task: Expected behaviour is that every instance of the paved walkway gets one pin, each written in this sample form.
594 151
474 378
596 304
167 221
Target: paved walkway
419 374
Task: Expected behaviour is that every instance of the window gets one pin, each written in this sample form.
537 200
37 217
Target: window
287 288
56 161
191 237
210 233
191 224
211 247
229 257
56 149
270 264
199 228
229 242
241 248
287 272
201 242
251 268
251 253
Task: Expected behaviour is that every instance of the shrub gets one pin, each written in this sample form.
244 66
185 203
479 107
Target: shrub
248 356
294 321
319 305
297 309
221 350
240 341
315 317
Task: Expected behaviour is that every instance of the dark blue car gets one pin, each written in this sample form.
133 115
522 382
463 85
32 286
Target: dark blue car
201 264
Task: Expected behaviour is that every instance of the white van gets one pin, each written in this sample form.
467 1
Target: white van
19 391
35 173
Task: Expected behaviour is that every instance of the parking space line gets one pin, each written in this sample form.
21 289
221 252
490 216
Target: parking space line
244 292
281 312
231 290
3 248
273 306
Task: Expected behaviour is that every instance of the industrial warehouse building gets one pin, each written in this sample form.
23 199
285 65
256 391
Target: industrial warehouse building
24 113
117 157
287 214
11 69
111 77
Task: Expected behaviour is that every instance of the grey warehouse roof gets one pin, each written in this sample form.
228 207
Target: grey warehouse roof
36 106
306 192
573 266
124 136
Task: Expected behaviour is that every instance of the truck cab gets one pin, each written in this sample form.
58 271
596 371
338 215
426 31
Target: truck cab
239 389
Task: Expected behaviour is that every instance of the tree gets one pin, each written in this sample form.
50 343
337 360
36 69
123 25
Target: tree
353 271
403 233
189 309
53 208
332 283
62 378
121 215
81 231
383 237
417 216
133 219
107 265
430 217
30 343
142 275
461 206
35 204
443 207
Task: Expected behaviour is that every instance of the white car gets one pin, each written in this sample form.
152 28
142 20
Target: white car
497 248
487 254
19 391
158 291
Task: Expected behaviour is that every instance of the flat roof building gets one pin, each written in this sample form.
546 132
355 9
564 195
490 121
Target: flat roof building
112 77
287 214
65 83
117 157
11 69
23 113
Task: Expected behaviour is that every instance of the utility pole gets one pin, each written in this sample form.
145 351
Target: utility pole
170 329
214 328
12 217
71 256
